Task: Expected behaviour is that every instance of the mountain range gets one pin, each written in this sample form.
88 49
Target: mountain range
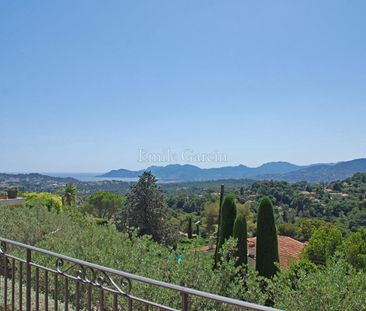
272 170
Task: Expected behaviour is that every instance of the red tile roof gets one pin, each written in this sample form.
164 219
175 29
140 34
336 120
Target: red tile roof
289 249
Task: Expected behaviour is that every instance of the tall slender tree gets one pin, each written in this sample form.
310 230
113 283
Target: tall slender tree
267 245
228 215
218 225
189 228
240 233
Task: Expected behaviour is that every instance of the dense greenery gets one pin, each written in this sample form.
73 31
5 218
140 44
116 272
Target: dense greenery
37 199
329 216
323 243
267 245
334 286
104 204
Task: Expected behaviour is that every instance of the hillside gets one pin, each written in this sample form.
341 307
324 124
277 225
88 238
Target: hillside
39 182
273 170
326 172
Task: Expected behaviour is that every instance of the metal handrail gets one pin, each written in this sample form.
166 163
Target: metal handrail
185 291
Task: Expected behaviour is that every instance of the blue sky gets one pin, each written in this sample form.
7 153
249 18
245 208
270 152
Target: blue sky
85 84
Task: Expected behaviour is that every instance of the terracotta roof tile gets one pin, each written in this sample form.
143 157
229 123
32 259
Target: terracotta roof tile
289 249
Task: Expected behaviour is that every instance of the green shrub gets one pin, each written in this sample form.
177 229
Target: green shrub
44 199
335 287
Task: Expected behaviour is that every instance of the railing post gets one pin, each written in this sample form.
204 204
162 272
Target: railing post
185 302
29 280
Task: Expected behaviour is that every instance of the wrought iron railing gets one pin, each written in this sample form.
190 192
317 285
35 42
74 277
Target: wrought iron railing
36 279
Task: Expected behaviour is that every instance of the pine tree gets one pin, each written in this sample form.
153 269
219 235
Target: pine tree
228 215
240 233
145 209
267 245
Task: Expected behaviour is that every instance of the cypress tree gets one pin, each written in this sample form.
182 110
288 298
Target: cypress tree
267 245
189 230
218 227
228 215
240 233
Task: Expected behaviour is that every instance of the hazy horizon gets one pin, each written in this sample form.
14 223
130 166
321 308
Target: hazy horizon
94 173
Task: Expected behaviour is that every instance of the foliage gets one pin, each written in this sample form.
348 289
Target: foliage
287 229
240 234
354 249
357 217
323 244
335 287
30 225
69 195
104 204
267 245
43 199
298 268
228 215
211 215
306 228
146 210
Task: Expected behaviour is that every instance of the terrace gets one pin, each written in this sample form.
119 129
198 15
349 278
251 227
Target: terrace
27 283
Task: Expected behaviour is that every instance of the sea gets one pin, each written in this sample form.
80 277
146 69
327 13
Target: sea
87 176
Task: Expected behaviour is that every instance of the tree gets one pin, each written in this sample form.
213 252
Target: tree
211 215
240 233
216 256
189 228
145 209
104 204
69 195
288 229
323 244
354 249
228 215
307 227
267 245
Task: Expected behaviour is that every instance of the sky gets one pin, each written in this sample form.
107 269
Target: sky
89 86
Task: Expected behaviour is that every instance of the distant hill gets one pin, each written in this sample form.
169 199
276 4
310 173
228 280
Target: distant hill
326 172
34 182
273 170
187 172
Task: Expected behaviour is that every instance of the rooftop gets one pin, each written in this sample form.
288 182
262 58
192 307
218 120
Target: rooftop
289 249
